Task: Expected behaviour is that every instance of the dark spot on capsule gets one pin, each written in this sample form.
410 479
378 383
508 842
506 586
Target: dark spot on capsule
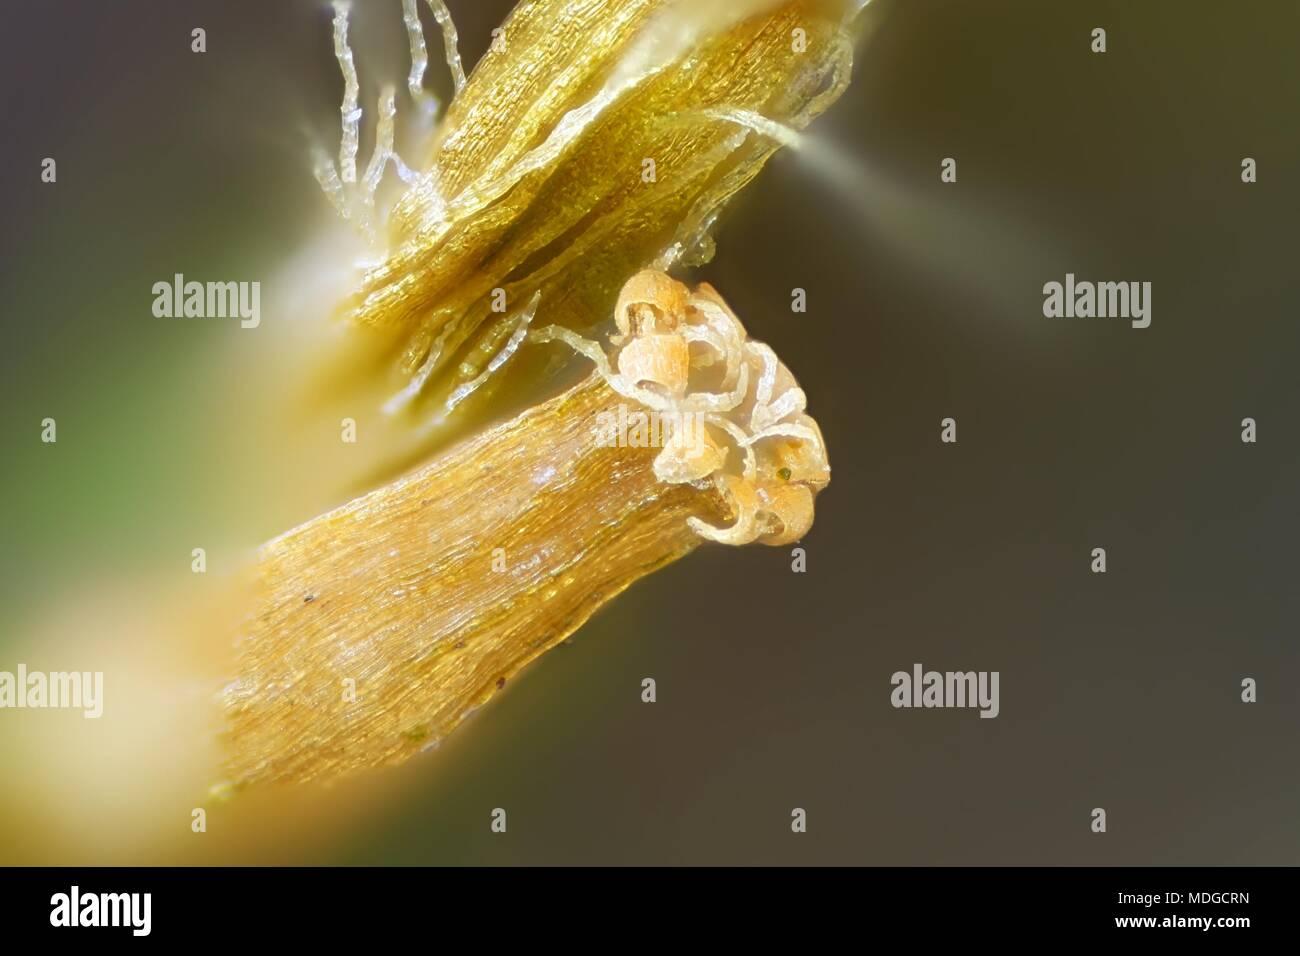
784 474
458 645
308 599
501 682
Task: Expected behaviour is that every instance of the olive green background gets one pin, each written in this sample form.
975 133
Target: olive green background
924 301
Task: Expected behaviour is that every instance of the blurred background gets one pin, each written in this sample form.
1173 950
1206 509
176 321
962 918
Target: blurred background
1119 691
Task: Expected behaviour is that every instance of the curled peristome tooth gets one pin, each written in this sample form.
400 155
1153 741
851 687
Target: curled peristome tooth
660 360
649 298
779 461
717 321
790 507
690 454
743 498
798 453
792 402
